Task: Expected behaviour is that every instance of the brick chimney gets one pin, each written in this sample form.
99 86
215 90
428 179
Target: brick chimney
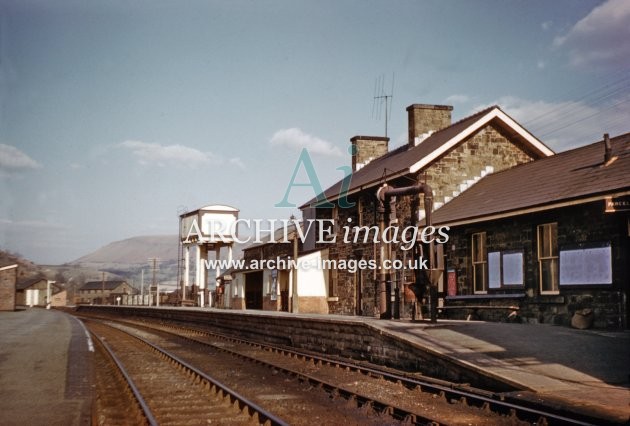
366 149
425 119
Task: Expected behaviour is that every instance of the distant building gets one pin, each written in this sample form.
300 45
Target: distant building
34 292
550 238
8 278
105 292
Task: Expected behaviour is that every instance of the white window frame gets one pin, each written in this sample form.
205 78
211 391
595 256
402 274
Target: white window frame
553 257
479 261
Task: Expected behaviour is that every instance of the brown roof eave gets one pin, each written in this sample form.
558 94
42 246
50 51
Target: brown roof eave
368 185
572 201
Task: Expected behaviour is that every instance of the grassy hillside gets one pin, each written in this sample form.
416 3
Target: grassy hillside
130 257
133 251
26 268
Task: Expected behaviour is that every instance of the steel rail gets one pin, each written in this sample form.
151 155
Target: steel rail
367 403
144 407
254 410
487 400
452 391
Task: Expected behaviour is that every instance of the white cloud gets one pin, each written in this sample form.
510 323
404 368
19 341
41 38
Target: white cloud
13 160
457 99
162 155
546 25
564 125
237 162
600 39
296 138
541 65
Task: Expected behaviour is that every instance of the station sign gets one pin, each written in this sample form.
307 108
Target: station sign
617 204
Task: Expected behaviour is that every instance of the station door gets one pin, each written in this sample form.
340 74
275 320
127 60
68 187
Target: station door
254 290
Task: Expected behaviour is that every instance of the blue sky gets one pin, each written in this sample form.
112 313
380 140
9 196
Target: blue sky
116 115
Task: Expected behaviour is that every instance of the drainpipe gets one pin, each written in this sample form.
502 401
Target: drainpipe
385 194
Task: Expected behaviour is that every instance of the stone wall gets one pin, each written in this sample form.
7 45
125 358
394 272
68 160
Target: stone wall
471 160
8 278
488 147
581 224
366 149
424 118
349 339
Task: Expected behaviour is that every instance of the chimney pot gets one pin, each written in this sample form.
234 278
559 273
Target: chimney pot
608 148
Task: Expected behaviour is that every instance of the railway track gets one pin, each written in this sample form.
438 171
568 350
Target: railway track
374 391
165 389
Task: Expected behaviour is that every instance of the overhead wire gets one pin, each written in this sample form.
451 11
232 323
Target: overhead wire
586 118
544 115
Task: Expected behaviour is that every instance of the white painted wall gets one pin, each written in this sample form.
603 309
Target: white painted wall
238 285
266 282
311 280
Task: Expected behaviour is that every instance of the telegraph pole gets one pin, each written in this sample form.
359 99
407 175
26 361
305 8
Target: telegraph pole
142 288
102 288
154 260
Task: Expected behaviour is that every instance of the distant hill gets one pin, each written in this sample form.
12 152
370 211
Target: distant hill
26 268
133 251
128 258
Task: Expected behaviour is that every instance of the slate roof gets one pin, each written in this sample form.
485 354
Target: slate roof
98 285
400 160
568 176
21 285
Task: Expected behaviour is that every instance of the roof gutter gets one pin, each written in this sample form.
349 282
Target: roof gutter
535 209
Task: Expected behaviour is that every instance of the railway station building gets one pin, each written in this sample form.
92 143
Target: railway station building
533 236
447 157
544 242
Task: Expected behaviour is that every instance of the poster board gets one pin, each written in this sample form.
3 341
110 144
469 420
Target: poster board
451 287
586 266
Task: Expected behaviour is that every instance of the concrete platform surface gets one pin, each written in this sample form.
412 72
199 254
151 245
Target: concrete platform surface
45 369
586 370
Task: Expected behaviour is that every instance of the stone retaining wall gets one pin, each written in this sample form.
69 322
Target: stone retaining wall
348 339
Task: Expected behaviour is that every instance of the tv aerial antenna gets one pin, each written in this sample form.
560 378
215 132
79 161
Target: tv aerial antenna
381 98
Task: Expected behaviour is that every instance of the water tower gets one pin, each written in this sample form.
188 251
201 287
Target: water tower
208 229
